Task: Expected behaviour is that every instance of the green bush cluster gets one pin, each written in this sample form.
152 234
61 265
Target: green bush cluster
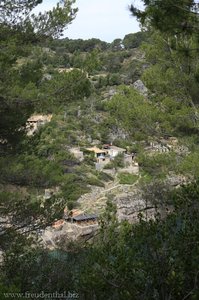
127 178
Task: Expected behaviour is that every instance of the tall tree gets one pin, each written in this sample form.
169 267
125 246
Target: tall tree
173 17
20 30
177 24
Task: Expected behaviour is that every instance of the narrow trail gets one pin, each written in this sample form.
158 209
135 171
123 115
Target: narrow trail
95 201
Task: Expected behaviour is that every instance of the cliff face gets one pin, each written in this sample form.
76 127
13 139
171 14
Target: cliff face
131 204
69 232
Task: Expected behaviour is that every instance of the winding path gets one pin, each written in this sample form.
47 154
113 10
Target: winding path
95 201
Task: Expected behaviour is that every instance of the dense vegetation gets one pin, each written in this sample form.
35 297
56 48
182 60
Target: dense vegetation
88 87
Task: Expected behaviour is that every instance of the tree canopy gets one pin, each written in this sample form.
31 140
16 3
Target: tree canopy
176 17
20 30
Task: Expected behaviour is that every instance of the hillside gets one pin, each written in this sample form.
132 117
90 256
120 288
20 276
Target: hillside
102 101
99 158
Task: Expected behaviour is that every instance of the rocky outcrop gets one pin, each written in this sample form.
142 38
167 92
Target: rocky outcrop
117 133
175 180
131 204
140 87
109 93
1 256
52 237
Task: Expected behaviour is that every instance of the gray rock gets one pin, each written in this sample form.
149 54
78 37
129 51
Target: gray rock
112 92
130 205
175 180
68 232
140 87
117 133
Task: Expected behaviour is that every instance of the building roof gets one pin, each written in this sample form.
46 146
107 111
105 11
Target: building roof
85 217
96 150
75 212
37 118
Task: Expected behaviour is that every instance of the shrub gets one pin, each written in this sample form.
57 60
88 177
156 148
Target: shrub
126 178
95 181
70 205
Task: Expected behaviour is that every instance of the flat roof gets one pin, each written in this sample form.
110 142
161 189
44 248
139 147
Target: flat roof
96 150
84 217
37 118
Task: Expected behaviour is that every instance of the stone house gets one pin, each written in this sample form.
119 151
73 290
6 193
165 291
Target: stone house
79 217
99 153
113 151
84 219
36 121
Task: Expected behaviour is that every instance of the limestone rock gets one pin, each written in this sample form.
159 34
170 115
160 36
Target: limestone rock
140 87
175 180
130 205
117 133
68 232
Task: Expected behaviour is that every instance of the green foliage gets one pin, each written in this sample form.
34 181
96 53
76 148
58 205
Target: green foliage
19 33
57 265
95 181
31 72
89 157
70 205
107 80
73 186
154 259
67 87
117 162
114 79
19 16
190 165
132 70
71 46
92 63
168 17
126 178
104 177
111 61
130 111
29 170
149 260
116 45
134 40
158 164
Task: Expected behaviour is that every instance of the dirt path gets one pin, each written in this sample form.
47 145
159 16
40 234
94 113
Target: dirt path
95 201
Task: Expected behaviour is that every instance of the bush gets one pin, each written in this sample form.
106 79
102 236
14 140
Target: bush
73 187
105 177
95 181
158 164
70 205
119 161
126 178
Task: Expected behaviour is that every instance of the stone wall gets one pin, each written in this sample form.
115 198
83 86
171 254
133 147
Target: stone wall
130 205
67 233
